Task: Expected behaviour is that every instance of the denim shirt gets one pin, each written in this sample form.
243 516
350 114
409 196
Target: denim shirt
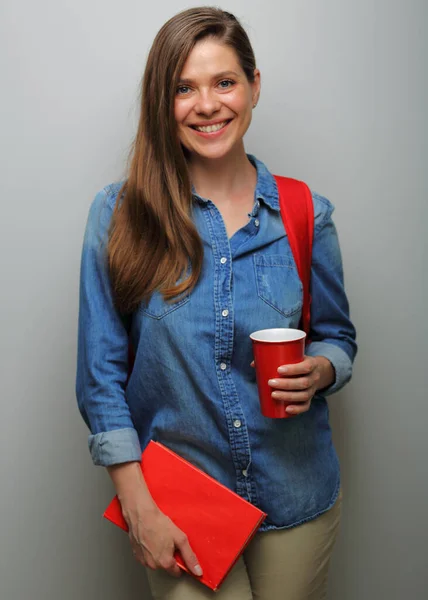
192 387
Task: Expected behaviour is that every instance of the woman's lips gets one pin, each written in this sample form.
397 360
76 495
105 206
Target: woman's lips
212 134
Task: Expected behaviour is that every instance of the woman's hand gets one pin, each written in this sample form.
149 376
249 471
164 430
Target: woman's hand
154 537
297 384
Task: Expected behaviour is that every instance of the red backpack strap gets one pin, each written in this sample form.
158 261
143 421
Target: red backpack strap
297 212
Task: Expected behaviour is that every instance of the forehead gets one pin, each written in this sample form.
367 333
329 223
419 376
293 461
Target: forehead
208 57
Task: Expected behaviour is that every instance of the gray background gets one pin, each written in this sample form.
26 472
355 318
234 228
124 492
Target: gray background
343 107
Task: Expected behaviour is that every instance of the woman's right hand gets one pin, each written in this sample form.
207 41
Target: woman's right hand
154 537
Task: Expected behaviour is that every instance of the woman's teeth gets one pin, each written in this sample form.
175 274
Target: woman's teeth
211 128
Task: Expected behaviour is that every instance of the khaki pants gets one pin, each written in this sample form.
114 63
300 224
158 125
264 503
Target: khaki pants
287 564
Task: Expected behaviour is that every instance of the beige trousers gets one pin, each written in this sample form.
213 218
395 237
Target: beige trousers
286 564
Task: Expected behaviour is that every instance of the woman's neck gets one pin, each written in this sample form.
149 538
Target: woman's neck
224 177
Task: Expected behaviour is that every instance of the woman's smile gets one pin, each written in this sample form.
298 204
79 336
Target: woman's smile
211 130
214 101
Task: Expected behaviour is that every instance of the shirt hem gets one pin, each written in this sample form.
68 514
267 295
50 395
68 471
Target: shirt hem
332 502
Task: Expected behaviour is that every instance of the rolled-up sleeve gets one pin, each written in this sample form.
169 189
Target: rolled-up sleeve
332 333
102 355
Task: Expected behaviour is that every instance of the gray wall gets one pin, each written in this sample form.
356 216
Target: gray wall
343 107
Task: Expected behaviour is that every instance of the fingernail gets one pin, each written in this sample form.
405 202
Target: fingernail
290 410
282 370
197 571
273 382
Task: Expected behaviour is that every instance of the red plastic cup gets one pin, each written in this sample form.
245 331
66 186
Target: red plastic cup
273 348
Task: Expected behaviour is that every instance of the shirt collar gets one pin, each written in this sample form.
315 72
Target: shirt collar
266 188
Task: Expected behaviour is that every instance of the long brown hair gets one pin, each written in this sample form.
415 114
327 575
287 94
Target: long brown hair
153 242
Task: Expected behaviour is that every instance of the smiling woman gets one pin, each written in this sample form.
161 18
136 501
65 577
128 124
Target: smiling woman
214 101
185 259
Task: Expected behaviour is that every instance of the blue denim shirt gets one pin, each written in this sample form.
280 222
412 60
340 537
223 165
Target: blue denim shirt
192 387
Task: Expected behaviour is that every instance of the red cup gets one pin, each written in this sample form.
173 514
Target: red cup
273 348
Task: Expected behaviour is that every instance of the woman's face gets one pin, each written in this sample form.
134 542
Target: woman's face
214 94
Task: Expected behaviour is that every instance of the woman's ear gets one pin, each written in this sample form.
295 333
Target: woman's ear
256 84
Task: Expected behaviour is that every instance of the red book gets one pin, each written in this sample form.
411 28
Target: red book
218 522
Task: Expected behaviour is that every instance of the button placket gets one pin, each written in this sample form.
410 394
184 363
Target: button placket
224 334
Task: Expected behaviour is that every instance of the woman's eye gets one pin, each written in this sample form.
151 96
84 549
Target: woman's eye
182 89
226 83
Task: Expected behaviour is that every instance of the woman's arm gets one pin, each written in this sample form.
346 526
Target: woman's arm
332 332
102 371
102 351
331 352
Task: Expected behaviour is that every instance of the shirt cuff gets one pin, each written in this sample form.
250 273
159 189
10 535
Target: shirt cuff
113 447
340 361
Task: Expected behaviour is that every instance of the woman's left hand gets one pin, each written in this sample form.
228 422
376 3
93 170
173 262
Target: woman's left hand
297 384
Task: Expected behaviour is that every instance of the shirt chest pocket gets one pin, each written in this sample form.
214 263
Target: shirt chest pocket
158 308
278 283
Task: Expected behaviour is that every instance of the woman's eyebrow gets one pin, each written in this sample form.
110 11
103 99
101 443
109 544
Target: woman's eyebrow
216 76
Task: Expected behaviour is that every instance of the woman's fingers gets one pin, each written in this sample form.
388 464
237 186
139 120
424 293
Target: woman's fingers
298 384
292 397
155 542
189 557
166 561
298 378
169 564
294 409
298 402
305 367
140 556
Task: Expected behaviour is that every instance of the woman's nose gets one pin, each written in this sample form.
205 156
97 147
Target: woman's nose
207 103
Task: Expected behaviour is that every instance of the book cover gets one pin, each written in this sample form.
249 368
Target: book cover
218 522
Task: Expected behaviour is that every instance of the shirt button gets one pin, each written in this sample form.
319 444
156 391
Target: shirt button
256 222
237 423
223 260
225 312
223 366
245 473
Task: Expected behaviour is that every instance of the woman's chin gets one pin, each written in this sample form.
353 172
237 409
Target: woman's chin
210 153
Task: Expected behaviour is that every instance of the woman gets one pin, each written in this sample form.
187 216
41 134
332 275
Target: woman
186 259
